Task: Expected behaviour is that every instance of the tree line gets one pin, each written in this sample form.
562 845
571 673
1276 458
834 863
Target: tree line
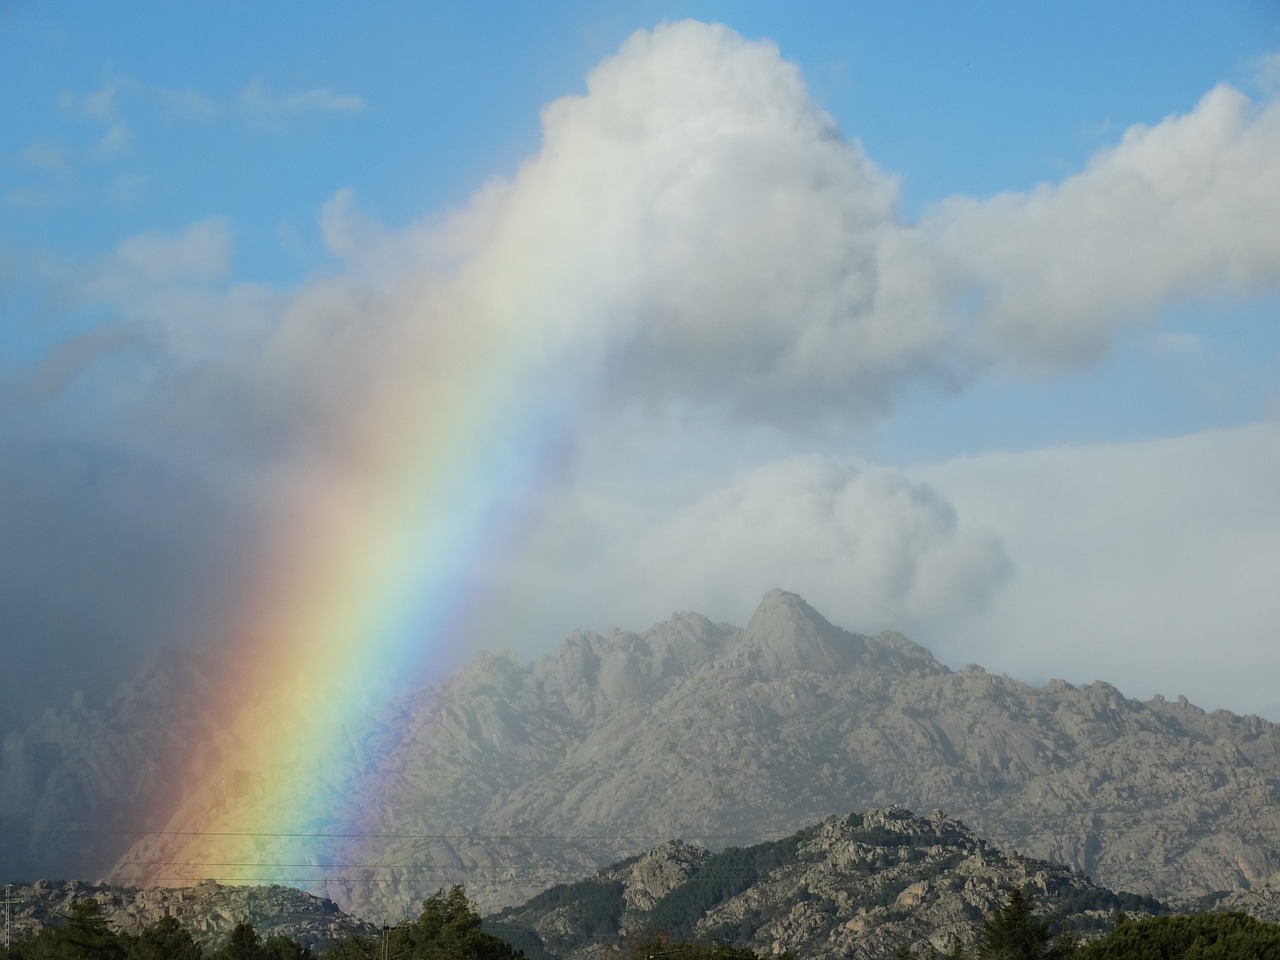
1016 932
450 928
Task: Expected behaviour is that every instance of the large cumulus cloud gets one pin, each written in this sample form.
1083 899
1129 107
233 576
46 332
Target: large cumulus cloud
709 234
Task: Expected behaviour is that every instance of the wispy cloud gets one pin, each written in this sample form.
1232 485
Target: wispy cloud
47 156
186 103
116 105
65 362
103 105
200 253
99 106
31 198
1266 72
114 141
258 99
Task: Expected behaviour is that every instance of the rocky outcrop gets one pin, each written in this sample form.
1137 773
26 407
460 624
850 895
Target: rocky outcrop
209 911
859 886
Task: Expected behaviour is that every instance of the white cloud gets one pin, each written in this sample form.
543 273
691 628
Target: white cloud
869 547
368 251
698 213
694 232
1188 208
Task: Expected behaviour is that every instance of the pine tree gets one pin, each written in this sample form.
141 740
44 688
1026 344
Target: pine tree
1014 932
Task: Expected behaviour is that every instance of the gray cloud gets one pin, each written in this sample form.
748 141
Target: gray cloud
106 554
867 545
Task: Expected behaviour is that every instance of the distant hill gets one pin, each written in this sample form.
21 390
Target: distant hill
510 778
859 886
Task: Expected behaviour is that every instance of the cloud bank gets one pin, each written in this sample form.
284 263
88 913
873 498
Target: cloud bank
1148 565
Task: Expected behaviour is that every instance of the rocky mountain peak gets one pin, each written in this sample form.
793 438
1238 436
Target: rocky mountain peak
785 634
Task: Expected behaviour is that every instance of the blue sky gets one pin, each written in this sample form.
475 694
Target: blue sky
182 169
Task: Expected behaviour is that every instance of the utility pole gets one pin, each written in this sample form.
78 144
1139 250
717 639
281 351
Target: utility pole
8 909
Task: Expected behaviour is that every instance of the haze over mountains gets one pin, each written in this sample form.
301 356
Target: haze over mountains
513 777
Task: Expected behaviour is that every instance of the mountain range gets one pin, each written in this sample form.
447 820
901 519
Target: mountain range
513 777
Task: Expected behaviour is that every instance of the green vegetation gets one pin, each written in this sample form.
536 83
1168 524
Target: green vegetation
449 928
86 936
1103 901
597 904
593 908
1015 932
659 946
1214 936
720 877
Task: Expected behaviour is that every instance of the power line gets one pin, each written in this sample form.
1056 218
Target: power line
422 836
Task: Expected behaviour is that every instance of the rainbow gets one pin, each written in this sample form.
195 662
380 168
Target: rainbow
382 570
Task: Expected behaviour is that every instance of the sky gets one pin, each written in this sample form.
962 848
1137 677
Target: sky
959 322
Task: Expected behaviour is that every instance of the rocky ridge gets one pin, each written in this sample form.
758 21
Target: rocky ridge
859 886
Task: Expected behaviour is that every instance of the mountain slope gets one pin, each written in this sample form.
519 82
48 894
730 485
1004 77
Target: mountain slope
510 778
73 783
